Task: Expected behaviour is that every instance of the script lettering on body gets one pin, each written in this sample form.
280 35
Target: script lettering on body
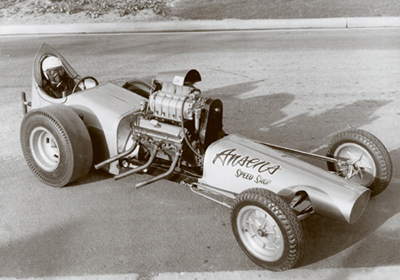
230 158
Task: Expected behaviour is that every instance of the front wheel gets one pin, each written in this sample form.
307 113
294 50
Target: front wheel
267 229
368 161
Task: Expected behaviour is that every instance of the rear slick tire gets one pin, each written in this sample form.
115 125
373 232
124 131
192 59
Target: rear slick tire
267 229
140 87
56 145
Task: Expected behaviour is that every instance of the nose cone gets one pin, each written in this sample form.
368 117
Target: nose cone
359 206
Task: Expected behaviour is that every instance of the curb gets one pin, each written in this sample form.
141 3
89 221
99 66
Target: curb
200 25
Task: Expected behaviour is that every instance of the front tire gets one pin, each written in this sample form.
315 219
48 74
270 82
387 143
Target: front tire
267 229
369 153
56 145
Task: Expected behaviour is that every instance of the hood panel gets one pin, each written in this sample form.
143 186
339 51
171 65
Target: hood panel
103 106
109 97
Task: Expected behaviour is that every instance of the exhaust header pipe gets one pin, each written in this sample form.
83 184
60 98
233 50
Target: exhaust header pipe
140 168
163 175
117 157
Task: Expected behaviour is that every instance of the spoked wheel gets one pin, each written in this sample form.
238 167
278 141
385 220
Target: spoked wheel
267 229
365 159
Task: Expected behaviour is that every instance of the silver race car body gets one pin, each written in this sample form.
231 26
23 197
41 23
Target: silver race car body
246 164
166 125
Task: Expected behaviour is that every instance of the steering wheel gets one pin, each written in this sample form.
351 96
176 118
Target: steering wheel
93 82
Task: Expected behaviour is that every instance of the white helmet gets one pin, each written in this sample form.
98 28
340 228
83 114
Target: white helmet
53 69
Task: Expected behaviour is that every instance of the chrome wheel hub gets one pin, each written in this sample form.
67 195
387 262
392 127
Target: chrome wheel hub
260 233
44 149
360 166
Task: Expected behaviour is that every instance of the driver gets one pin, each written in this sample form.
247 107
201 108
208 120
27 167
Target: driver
59 83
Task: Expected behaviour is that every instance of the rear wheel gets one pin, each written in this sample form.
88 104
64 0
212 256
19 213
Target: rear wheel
267 229
139 87
371 165
56 145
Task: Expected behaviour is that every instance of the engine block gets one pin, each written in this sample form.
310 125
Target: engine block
170 137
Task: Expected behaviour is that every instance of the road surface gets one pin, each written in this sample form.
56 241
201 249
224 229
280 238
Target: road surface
293 88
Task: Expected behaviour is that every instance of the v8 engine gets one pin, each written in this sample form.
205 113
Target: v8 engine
176 123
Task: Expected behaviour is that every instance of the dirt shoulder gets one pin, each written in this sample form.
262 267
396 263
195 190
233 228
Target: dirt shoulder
25 12
30 12
284 9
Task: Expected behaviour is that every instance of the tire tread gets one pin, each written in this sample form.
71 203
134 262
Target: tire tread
286 216
379 151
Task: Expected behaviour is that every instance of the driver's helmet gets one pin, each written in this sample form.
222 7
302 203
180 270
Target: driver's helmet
53 69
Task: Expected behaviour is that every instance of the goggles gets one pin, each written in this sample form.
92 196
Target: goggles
53 72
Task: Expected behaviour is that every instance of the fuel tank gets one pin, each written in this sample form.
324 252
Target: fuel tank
235 164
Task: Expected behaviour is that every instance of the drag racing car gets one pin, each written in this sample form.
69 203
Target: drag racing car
162 125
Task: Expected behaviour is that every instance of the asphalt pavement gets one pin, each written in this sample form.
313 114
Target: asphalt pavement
222 25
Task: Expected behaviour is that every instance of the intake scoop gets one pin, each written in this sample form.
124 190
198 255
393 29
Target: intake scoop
179 78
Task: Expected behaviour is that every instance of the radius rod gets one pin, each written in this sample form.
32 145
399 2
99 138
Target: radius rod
324 158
